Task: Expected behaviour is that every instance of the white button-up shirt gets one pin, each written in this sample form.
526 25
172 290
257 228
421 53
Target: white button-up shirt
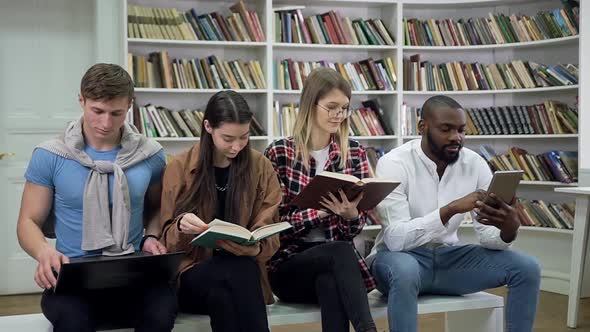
410 215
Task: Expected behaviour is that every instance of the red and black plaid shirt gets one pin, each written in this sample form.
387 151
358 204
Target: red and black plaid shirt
293 177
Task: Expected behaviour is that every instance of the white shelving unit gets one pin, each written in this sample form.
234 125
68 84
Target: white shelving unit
517 137
523 228
195 91
206 43
560 50
540 43
494 92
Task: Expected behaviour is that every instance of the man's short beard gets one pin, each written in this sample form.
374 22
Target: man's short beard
440 152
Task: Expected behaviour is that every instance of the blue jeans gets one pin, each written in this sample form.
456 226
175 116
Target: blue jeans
456 270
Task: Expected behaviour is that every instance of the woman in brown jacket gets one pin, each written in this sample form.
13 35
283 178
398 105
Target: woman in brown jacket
222 177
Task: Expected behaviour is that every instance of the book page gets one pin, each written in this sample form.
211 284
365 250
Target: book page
340 176
268 230
220 226
369 180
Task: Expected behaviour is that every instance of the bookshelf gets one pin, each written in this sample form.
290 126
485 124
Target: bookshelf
392 13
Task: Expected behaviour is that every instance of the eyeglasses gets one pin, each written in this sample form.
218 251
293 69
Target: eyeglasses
336 111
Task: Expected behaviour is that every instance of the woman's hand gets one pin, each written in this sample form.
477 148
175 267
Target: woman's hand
191 224
342 207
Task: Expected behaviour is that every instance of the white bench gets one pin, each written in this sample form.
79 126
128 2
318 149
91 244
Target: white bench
482 312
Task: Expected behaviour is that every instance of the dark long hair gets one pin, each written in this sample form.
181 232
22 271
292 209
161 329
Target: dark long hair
200 196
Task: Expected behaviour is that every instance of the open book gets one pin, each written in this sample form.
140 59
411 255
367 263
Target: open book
375 190
222 230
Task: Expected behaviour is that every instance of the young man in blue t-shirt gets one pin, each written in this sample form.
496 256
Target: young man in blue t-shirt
98 184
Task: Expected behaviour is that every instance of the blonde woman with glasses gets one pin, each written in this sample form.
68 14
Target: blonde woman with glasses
317 262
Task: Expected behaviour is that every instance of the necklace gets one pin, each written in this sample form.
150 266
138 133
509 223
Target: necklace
224 188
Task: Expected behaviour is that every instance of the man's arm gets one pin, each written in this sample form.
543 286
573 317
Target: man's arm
400 231
152 210
35 206
153 231
152 206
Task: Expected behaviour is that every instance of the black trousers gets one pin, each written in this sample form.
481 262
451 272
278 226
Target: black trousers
148 308
327 274
227 288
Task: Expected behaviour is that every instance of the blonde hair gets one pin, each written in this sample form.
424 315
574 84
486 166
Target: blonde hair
318 84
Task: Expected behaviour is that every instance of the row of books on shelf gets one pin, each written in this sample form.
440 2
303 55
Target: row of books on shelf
538 213
460 76
553 165
283 118
495 29
157 70
542 214
368 74
534 213
159 121
549 117
329 28
174 24
368 120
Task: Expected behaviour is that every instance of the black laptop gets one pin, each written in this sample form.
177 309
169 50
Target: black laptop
99 272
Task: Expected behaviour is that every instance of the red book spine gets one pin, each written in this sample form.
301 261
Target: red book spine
330 28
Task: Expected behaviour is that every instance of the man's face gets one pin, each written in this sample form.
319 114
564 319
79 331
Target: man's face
445 133
103 119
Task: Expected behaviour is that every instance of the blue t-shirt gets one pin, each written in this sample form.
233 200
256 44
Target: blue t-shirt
67 179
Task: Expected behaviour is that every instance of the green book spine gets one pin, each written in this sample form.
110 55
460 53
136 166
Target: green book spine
406 33
504 29
368 33
510 28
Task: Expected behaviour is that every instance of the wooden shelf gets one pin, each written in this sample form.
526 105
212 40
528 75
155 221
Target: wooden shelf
539 43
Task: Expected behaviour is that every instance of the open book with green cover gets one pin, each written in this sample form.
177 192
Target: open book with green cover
222 230
326 182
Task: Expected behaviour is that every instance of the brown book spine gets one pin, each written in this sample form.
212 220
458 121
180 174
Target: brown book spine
240 8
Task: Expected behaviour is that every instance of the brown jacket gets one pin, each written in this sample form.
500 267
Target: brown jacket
262 210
